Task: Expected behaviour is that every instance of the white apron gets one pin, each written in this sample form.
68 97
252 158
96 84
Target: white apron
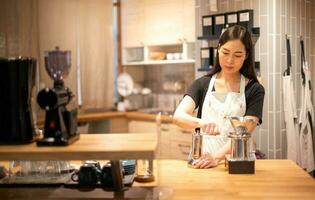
290 119
306 121
215 107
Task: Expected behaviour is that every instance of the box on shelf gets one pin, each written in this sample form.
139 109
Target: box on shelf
231 18
205 58
219 24
207 25
208 56
246 19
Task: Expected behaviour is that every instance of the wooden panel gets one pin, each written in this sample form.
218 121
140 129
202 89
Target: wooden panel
86 24
155 22
119 125
180 134
180 151
142 127
89 147
132 24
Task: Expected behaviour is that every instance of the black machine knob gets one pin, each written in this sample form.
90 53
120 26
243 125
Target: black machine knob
50 99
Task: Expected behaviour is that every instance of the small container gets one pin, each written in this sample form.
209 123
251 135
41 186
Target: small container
231 18
207 25
246 19
219 24
205 58
169 56
177 56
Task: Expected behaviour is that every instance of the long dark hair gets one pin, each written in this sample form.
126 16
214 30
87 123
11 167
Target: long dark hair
241 33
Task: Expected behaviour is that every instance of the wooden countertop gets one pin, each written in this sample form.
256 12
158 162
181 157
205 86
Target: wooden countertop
99 116
89 147
274 179
129 115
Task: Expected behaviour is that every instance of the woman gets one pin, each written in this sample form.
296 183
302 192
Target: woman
230 89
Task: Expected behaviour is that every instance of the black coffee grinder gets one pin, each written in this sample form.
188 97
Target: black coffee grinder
60 124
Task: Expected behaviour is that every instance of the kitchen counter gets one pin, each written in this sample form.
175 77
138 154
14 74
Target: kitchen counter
274 179
106 115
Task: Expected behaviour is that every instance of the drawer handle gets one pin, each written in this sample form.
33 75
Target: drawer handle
184 145
181 146
164 129
185 132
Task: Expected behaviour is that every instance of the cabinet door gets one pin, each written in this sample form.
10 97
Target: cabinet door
163 22
132 23
141 127
165 142
180 142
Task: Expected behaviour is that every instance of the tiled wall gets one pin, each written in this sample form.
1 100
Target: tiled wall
275 19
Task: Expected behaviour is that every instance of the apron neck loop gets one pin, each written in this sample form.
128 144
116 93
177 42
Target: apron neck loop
242 84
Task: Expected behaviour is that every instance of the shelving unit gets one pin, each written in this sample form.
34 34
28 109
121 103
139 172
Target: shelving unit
255 36
255 32
133 56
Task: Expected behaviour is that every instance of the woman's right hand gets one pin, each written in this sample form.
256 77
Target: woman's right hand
209 127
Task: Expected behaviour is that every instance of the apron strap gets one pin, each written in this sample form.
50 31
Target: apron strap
212 81
242 84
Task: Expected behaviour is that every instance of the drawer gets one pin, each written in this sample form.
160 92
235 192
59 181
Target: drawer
180 150
181 135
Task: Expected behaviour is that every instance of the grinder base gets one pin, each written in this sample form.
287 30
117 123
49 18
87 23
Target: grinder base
243 166
240 166
49 142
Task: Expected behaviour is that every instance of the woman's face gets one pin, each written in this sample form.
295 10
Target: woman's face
232 56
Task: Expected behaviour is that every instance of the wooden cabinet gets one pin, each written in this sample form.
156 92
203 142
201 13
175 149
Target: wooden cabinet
135 126
156 22
174 142
180 142
132 23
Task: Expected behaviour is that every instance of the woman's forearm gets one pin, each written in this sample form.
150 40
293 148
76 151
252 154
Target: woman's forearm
185 120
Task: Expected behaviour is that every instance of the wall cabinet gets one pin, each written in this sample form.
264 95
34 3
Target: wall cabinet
151 26
155 22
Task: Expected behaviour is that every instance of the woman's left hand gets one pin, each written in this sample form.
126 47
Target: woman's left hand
206 161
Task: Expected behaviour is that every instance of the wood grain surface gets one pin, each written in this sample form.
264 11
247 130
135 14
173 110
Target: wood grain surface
89 147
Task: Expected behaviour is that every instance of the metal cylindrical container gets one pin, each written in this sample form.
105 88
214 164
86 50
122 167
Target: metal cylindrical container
239 147
196 145
196 148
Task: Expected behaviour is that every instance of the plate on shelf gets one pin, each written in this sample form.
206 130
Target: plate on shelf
124 84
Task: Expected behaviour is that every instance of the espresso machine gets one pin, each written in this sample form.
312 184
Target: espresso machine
60 124
241 160
17 82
